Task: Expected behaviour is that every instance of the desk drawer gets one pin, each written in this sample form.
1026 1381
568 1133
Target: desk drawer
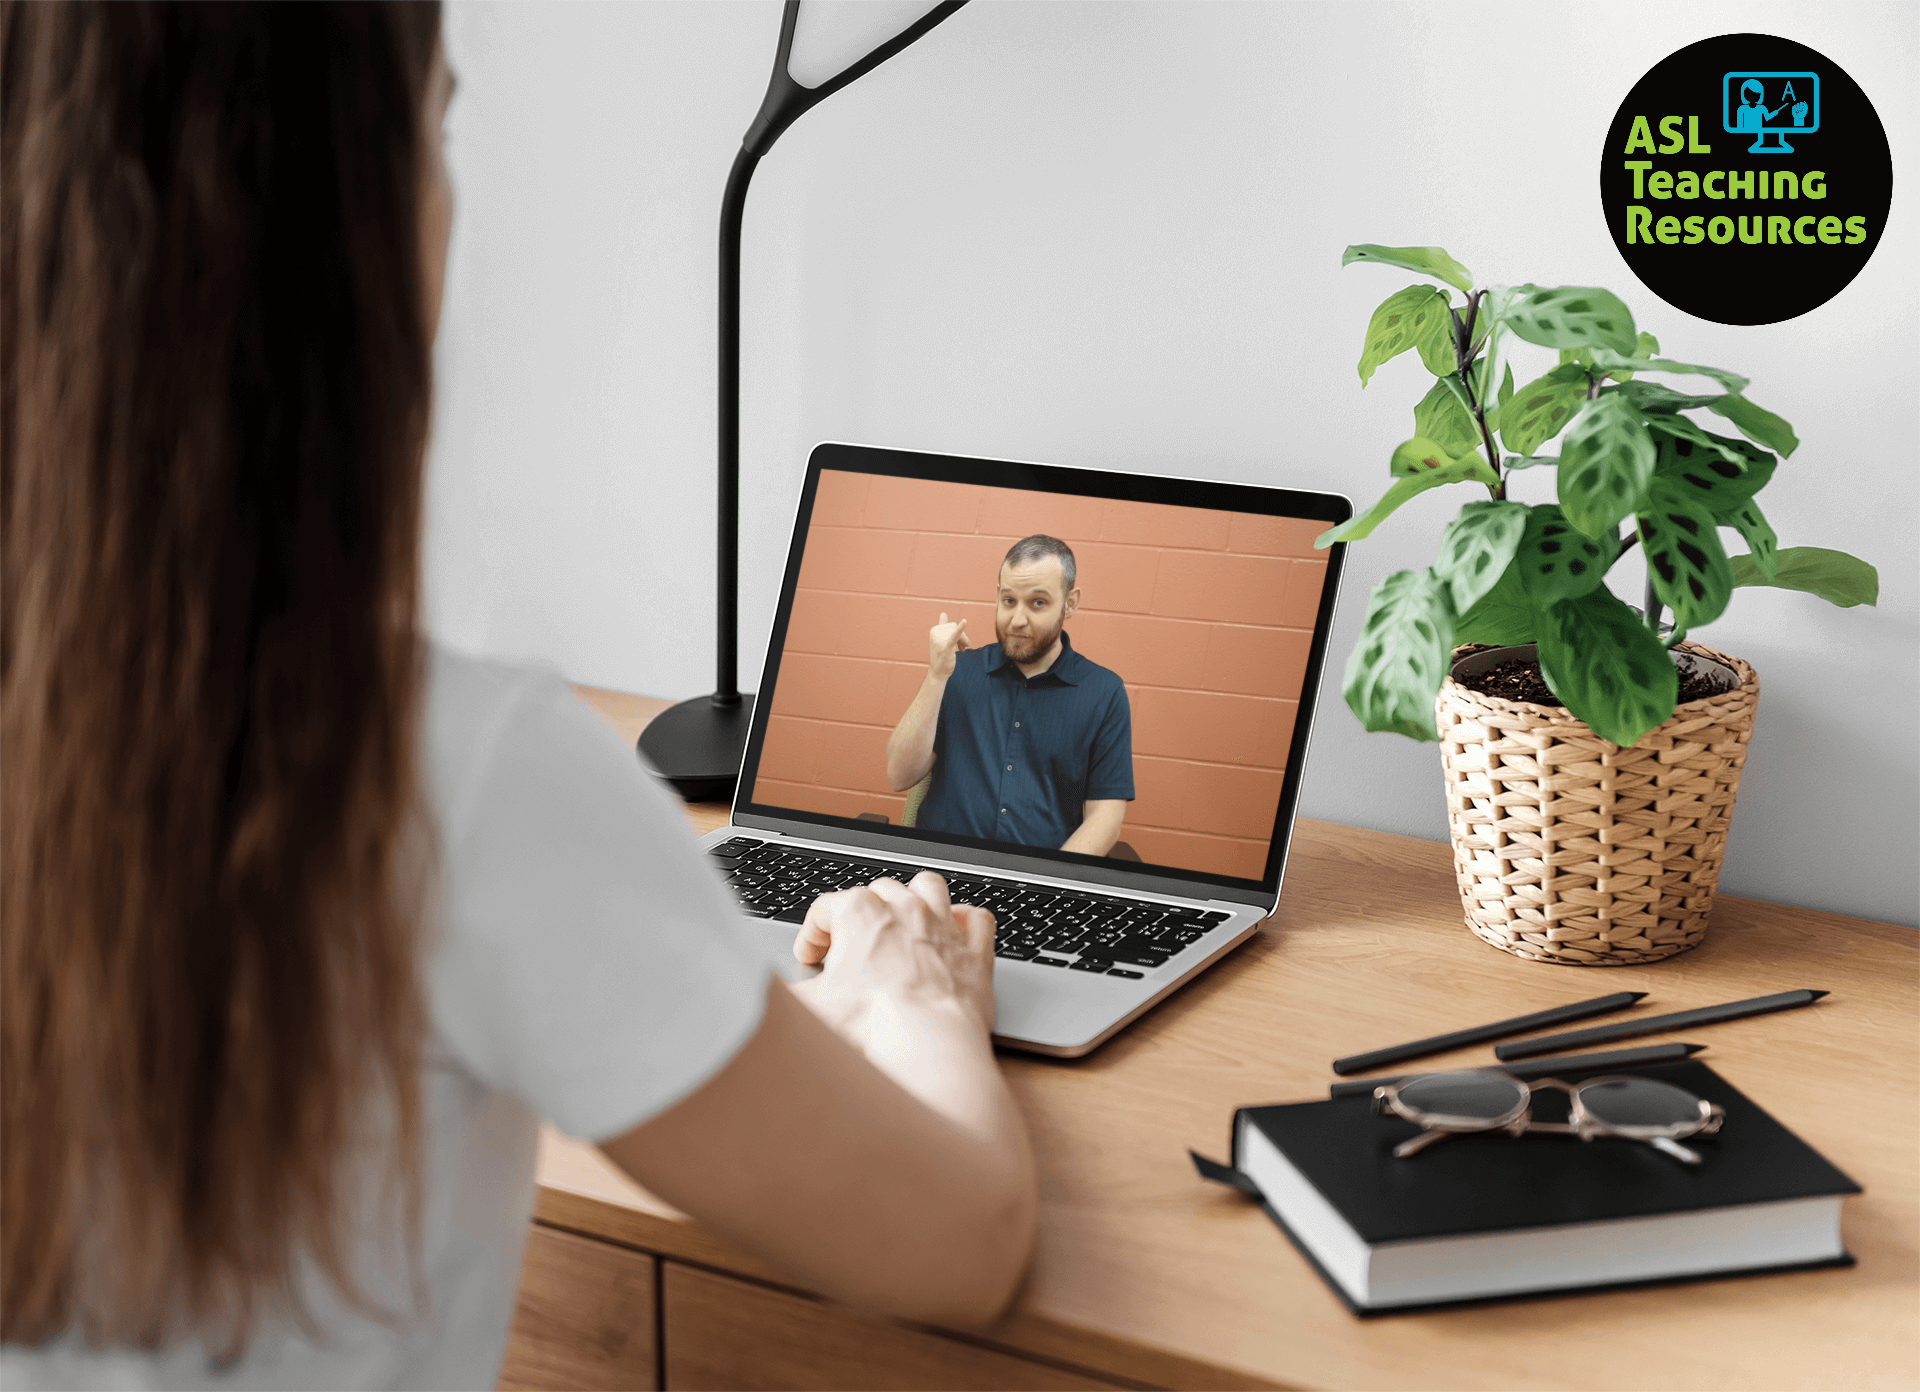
719 1332
584 1317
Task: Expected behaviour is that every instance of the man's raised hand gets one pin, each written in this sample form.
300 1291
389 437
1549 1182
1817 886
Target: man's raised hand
945 642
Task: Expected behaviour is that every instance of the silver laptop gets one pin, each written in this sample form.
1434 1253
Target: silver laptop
1084 697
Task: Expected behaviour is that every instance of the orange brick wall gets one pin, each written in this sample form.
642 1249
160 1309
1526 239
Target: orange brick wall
1206 616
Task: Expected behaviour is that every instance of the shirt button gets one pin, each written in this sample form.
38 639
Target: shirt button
1016 724
1003 811
1009 768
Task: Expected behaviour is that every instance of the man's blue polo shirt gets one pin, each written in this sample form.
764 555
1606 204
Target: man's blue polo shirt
1016 758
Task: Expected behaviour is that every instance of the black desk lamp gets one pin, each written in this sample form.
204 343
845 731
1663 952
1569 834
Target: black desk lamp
696 745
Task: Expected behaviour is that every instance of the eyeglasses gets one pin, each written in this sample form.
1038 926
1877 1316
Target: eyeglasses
1638 1109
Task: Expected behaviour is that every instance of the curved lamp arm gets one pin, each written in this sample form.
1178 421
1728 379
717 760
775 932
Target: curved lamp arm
787 100
697 745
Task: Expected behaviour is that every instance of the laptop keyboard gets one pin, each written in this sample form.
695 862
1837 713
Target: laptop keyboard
1071 929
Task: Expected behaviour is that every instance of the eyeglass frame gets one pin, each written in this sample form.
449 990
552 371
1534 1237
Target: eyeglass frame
1518 1120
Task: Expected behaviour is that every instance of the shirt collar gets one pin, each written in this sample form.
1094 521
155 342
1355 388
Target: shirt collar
1066 667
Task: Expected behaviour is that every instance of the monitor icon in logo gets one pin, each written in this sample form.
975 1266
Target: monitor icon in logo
1763 104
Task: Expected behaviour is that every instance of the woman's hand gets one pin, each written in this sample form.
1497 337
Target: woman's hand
902 1179
890 948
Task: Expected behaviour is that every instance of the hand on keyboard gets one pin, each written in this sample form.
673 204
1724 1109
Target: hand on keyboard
889 943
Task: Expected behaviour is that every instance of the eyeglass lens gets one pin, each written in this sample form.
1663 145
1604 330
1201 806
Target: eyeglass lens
1483 1095
1638 1102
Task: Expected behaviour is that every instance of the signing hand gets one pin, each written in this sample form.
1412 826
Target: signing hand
945 642
892 945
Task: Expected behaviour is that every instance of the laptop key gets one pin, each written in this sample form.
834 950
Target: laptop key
1091 964
1016 952
1050 961
1122 971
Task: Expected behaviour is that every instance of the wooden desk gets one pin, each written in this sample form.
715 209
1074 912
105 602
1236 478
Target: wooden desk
1145 1275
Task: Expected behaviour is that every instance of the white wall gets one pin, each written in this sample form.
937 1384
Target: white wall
1109 234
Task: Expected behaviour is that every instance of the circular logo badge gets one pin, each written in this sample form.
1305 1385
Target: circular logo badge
1746 179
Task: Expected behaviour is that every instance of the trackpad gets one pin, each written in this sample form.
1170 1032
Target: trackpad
775 940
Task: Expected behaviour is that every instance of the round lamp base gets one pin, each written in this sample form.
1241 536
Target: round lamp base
697 746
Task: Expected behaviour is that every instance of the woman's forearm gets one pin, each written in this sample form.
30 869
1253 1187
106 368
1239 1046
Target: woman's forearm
895 1175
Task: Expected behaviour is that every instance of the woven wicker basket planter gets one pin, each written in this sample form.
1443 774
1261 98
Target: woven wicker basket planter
1569 848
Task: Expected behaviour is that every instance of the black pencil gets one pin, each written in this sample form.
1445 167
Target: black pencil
1653 1024
1480 1034
1544 1068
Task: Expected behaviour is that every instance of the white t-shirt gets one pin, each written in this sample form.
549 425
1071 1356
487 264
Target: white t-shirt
584 967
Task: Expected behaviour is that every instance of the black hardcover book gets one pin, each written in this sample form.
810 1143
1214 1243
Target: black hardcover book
1497 1217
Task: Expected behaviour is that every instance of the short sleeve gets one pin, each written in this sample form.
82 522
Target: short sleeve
1110 770
587 959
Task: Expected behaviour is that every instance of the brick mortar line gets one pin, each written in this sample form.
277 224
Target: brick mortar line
1086 541
1140 826
1170 758
1131 687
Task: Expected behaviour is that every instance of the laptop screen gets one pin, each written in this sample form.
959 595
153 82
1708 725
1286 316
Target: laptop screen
1090 667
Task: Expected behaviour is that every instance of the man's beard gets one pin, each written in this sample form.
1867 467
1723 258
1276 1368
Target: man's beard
1031 648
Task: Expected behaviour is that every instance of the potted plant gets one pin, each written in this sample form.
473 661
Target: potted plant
1591 752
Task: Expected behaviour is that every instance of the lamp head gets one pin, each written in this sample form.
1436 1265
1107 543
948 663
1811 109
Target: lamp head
826 44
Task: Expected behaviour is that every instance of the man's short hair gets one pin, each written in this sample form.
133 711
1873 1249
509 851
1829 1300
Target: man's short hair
1038 547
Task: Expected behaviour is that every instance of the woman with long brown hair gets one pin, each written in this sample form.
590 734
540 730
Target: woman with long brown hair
303 922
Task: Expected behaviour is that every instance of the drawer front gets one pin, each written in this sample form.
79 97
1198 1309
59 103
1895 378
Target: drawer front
724 1333
584 1317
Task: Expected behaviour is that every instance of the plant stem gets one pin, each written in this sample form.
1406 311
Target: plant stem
1652 606
1462 344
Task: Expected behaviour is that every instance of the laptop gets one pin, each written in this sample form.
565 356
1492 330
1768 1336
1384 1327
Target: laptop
1101 740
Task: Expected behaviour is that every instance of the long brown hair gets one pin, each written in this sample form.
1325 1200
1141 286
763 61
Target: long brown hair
215 377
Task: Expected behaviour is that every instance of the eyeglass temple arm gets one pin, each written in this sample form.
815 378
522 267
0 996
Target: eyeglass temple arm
1419 1143
1675 1149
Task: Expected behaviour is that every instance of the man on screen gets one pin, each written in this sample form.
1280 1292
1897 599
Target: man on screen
1027 740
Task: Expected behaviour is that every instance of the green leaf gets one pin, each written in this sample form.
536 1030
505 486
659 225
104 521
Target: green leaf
1504 615
1496 299
1651 397
1689 570
1412 458
1459 471
1757 424
1573 316
1645 347
1395 670
1715 480
1424 260
1528 461
1680 428
1599 658
1555 562
1453 384
1506 387
1606 463
1833 575
1436 346
1442 419
1746 518
1477 547
1610 361
1538 410
1401 321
